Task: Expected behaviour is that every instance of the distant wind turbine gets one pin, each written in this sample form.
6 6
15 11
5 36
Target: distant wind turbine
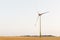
39 16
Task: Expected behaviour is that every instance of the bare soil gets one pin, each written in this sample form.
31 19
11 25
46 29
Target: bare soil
28 38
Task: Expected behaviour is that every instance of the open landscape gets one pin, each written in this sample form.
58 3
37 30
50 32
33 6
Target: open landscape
28 38
29 19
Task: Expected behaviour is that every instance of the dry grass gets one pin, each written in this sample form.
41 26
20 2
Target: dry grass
29 38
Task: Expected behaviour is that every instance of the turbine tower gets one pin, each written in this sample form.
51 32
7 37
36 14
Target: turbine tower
39 15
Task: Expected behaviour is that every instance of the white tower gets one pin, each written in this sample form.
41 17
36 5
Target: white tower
40 14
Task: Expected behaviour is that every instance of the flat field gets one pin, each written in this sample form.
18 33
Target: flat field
29 38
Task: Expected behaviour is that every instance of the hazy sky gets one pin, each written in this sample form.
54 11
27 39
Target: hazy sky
18 17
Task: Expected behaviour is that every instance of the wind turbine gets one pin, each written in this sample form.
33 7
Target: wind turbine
39 16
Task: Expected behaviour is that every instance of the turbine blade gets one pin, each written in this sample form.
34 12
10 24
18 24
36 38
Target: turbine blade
36 20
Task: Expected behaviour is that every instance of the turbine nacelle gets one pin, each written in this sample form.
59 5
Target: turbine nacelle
40 14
